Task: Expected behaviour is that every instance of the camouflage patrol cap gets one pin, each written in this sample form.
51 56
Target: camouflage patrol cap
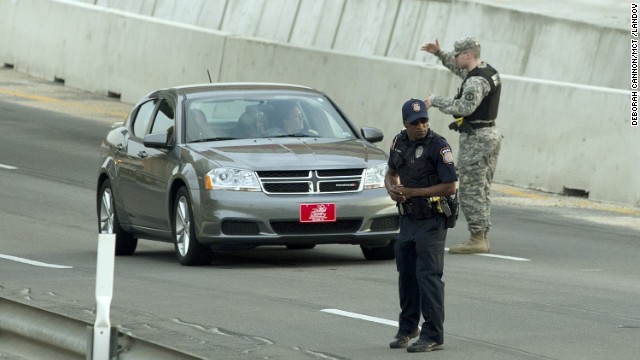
465 44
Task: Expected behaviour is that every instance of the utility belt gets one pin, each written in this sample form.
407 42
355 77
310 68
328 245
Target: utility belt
482 124
421 208
469 127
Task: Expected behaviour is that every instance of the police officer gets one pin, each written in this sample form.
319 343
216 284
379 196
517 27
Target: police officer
475 109
420 168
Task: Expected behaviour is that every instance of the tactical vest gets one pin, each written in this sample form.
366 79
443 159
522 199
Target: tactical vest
413 164
488 108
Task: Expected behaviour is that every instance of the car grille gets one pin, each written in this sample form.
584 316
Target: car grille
311 181
335 227
387 223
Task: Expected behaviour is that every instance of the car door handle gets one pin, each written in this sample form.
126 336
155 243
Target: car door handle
142 154
119 147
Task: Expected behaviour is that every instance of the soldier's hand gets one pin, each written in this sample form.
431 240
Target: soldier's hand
454 126
431 47
428 100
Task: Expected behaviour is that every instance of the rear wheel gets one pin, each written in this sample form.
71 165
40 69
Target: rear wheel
108 222
380 253
188 250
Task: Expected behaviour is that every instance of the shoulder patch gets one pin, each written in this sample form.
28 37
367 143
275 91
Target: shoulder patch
469 96
447 155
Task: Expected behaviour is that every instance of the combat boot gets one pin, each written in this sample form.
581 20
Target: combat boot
486 238
477 244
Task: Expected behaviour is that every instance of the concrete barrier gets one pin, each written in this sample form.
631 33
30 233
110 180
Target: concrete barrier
557 135
543 39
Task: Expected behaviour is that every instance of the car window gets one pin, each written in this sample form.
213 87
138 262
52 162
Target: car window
258 115
164 118
143 116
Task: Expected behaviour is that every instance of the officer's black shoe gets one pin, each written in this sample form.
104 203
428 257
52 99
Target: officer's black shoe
424 346
401 341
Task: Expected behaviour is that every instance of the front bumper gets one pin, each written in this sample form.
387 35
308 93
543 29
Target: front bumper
249 219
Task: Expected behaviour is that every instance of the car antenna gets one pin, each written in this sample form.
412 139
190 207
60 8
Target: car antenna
209 75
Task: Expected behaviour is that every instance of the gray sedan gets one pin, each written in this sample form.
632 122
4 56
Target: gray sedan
235 166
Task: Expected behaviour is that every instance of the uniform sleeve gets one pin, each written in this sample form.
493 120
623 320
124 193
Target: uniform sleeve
390 163
444 163
474 90
449 61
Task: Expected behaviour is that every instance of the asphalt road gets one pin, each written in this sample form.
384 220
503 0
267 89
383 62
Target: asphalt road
562 281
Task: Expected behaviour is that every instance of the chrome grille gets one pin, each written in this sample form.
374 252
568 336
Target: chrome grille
312 181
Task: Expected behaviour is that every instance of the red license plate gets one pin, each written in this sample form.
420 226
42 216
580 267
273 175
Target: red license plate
317 213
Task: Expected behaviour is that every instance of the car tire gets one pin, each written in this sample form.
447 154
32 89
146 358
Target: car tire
301 246
108 222
188 250
380 253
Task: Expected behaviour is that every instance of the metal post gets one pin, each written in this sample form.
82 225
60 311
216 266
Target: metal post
103 344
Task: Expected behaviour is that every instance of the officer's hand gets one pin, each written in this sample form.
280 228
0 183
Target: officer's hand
431 47
396 193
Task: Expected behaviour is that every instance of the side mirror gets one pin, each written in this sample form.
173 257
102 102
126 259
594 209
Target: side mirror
371 134
157 140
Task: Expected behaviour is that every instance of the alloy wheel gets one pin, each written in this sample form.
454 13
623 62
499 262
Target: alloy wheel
183 226
106 212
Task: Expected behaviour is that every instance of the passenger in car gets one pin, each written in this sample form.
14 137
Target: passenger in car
197 126
250 124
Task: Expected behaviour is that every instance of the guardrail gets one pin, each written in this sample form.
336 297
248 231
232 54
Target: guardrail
34 333
31 333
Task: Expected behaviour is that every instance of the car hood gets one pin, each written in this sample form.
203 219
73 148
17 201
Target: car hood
291 153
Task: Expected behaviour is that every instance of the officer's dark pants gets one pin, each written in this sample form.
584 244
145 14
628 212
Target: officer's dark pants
420 262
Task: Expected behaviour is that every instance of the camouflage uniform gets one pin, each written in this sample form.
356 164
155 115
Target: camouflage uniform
478 153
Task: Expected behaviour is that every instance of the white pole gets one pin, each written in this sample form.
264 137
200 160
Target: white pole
104 293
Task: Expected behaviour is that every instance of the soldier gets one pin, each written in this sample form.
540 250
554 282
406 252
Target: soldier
475 109
420 168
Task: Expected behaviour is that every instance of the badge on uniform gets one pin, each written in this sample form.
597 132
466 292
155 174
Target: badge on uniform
447 155
419 151
469 96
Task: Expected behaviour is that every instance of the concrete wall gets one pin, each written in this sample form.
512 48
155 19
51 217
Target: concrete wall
556 134
568 41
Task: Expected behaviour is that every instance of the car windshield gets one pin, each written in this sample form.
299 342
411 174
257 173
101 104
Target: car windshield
262 115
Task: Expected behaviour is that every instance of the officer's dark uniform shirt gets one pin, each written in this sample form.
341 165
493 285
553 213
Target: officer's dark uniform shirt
422 163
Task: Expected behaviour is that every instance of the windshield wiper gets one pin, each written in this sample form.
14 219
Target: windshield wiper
212 139
294 135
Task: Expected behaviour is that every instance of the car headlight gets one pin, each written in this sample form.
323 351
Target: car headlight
374 177
232 179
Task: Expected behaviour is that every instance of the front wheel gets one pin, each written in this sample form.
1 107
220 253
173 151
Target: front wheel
188 250
108 222
380 253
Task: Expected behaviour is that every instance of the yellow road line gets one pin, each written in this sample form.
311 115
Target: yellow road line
19 94
509 191
66 104
521 193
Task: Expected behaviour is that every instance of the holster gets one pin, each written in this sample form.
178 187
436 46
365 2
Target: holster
462 126
451 214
